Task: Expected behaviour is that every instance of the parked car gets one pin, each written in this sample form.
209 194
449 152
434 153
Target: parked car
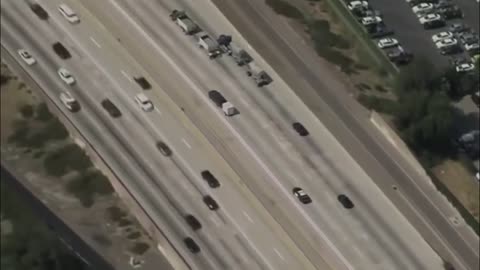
26 57
432 20
476 98
458 27
301 195
423 8
355 5
451 12
442 35
447 42
366 21
464 67
387 43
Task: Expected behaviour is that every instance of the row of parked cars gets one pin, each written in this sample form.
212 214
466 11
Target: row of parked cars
372 21
457 38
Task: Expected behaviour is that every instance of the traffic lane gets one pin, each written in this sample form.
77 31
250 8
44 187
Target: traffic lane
398 15
471 11
173 88
85 110
145 18
205 75
260 39
91 130
250 109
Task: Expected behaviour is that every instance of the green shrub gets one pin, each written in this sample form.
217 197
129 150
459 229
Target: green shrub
382 105
43 114
26 111
87 184
284 8
69 157
139 248
115 213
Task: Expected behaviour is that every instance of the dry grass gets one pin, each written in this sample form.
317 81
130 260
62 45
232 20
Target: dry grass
461 184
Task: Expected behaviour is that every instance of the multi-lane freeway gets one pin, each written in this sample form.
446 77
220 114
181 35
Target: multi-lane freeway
256 155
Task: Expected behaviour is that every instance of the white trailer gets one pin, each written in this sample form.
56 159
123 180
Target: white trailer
229 109
209 44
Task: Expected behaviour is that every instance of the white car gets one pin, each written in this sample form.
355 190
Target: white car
68 101
430 18
387 43
472 46
422 8
66 76
371 20
442 35
68 13
464 67
27 57
444 43
357 4
144 102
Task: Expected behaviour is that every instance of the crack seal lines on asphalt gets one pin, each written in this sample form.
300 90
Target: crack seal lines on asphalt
231 128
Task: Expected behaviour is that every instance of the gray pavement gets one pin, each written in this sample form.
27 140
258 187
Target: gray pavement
253 133
230 242
279 48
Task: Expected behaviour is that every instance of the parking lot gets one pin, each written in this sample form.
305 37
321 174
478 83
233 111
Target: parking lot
398 15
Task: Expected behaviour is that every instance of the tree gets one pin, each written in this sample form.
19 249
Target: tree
425 121
419 76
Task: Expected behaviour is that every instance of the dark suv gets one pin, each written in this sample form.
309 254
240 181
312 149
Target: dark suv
164 149
300 129
210 202
191 245
345 201
61 51
193 222
108 105
211 180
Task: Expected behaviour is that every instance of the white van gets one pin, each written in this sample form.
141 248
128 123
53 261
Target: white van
68 13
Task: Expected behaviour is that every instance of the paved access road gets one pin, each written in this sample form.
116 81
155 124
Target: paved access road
261 145
240 235
321 90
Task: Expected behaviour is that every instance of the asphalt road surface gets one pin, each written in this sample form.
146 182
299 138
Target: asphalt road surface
316 85
399 16
259 143
239 235
263 125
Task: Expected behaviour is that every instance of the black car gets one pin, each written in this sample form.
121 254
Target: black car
143 83
211 180
451 12
458 27
191 245
193 222
300 129
210 202
345 201
164 149
61 51
108 105
301 195
37 9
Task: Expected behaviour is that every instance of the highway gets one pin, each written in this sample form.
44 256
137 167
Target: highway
265 130
328 98
256 155
239 235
